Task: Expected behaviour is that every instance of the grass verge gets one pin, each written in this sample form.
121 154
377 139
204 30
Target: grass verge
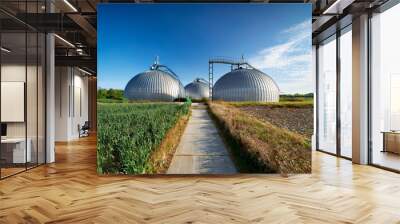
260 147
161 158
244 161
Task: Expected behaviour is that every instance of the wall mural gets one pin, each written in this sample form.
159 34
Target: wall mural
204 89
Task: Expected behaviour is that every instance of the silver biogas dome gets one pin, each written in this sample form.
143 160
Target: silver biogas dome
246 84
198 89
159 83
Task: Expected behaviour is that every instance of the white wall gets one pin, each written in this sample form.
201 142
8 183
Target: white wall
14 72
62 83
17 73
33 126
81 84
71 102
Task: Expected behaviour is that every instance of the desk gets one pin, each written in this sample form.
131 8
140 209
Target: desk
391 141
13 150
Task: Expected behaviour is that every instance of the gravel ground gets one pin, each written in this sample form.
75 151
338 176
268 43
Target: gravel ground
299 120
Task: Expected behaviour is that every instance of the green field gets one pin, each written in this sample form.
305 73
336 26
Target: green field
128 134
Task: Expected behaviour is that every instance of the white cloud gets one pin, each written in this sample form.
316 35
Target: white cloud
305 25
296 82
291 52
289 62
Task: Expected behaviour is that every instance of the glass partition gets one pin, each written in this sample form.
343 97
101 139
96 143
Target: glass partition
22 78
327 95
13 94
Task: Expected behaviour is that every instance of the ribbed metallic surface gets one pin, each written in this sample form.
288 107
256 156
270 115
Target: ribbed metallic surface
154 85
246 85
182 92
198 89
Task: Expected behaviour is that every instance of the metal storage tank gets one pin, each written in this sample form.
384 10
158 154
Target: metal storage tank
198 89
182 92
159 83
246 84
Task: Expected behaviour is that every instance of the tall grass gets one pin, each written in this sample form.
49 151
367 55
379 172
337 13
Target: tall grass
128 134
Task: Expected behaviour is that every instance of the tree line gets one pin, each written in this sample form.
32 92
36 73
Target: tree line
112 94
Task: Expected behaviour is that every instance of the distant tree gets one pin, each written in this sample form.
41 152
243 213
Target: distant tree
297 95
114 94
101 93
309 95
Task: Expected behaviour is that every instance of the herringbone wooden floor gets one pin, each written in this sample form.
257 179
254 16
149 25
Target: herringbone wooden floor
70 191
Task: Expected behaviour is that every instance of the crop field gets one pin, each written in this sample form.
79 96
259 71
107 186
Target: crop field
129 133
299 120
293 114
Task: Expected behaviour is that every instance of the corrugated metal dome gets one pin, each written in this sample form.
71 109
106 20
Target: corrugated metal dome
182 92
245 84
154 84
198 89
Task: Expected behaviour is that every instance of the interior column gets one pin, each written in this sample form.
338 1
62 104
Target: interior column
360 90
50 92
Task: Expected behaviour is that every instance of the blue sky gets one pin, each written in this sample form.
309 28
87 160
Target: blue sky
275 38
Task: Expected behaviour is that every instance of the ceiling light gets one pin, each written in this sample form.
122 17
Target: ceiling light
65 41
79 51
70 5
337 7
84 71
5 50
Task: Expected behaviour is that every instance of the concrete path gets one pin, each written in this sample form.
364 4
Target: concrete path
201 150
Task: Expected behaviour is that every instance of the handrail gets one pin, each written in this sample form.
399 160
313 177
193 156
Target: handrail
238 63
201 80
168 70
230 61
